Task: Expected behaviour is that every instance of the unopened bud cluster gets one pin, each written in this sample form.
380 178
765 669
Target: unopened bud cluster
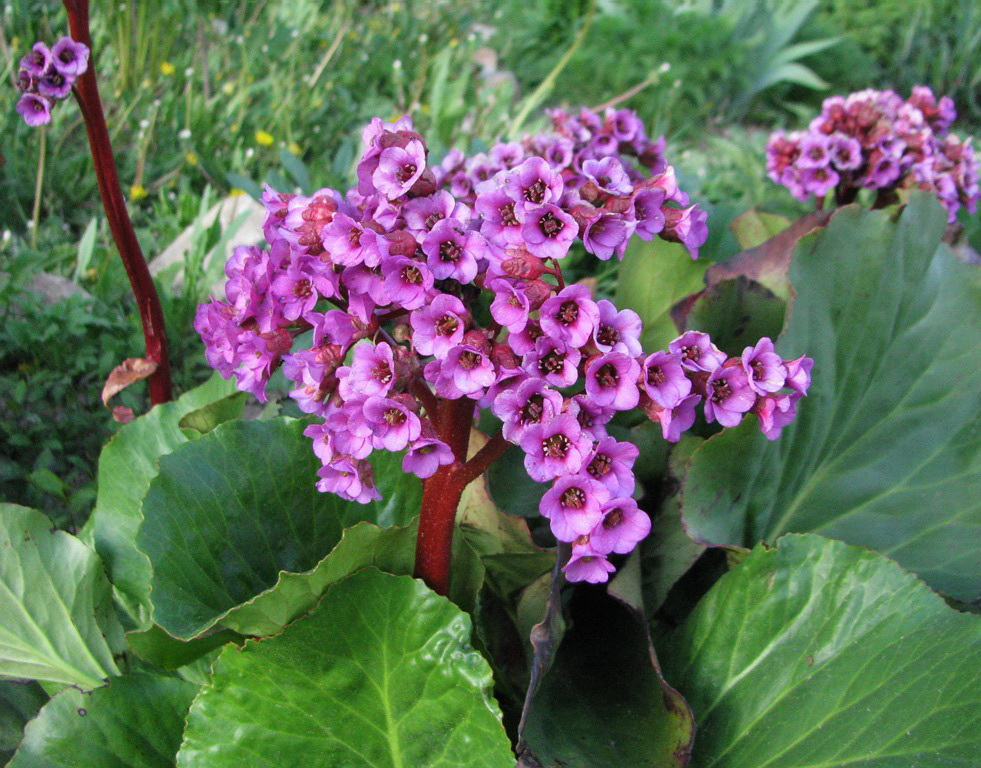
47 76
390 280
875 140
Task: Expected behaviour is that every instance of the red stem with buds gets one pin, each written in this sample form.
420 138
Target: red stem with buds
151 314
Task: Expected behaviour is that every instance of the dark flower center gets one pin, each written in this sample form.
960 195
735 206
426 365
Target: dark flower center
536 192
655 375
447 325
553 362
382 373
607 335
556 447
450 251
470 360
549 225
568 313
573 498
608 375
302 289
721 391
613 518
533 410
600 466
394 417
507 215
405 172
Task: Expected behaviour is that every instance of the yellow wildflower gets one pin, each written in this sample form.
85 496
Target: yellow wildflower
167 69
137 192
264 139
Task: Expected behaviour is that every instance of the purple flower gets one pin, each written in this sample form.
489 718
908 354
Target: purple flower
54 85
607 235
570 316
453 251
573 506
609 175
674 420
763 367
349 242
294 290
351 479
510 306
71 59
611 380
587 565
554 361
548 231
623 526
554 448
592 417
439 326
393 424
688 226
698 353
531 403
617 331
799 374
664 380
323 440
407 282
815 151
534 183
469 369
729 396
399 168
500 224
427 454
36 110
38 61
372 372
846 153
423 213
611 464
775 412
819 181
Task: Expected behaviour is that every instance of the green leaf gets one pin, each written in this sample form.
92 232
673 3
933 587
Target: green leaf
155 646
127 465
884 452
380 675
603 702
55 604
755 227
736 314
134 722
203 420
19 702
231 511
821 654
653 278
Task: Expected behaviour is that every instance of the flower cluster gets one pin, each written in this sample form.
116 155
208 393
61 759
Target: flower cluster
47 75
875 140
413 297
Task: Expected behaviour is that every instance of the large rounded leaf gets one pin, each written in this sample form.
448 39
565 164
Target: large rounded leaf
231 511
380 675
818 654
884 452
134 722
55 604
127 465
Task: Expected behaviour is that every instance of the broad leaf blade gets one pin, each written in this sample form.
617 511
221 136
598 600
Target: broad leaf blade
231 511
55 604
134 722
603 702
653 278
885 450
821 654
380 675
127 465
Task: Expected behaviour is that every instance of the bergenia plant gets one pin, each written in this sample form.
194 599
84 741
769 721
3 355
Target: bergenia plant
875 140
430 293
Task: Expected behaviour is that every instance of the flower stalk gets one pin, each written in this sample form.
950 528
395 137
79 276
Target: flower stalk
148 302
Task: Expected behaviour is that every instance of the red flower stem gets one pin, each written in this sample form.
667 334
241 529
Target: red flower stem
147 301
441 496
482 460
